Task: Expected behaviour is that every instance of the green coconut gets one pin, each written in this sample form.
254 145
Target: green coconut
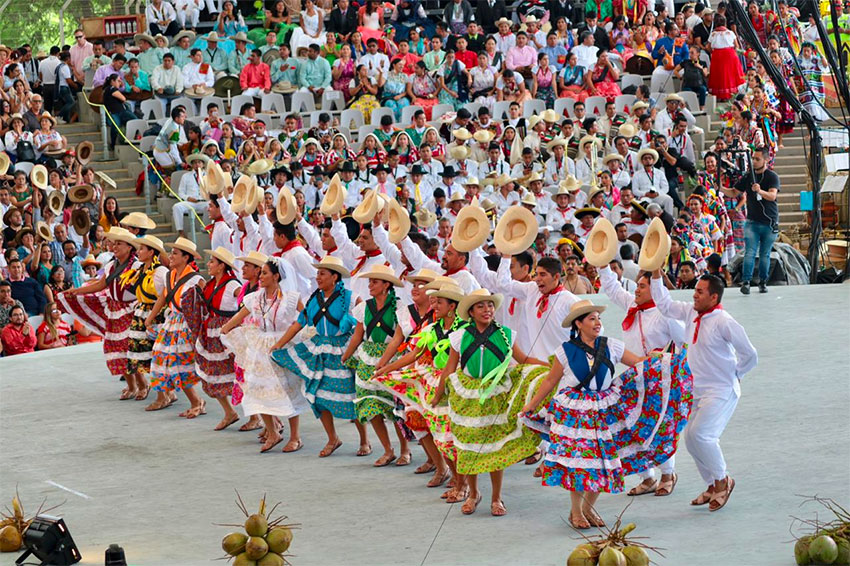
823 550
10 539
256 525
271 559
636 556
581 557
843 551
256 548
279 539
243 560
801 551
234 543
612 557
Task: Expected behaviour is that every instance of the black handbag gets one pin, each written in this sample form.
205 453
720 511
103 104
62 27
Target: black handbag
25 151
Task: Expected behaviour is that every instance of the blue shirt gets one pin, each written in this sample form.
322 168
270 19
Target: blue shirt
554 53
339 310
667 43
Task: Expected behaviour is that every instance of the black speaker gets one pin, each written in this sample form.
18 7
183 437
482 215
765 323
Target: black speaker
48 539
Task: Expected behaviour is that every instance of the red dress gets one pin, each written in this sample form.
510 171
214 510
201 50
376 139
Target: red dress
726 72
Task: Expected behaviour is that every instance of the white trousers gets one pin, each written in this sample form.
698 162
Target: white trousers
255 91
709 417
667 468
661 81
185 207
170 158
191 14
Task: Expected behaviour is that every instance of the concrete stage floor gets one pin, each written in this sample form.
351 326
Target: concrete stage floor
155 483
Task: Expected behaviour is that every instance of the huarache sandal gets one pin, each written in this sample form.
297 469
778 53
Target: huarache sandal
457 495
225 422
721 498
425 468
594 519
143 394
534 458
384 460
293 446
266 447
197 411
470 505
579 525
330 448
705 497
127 394
538 471
250 425
439 479
666 487
404 460
497 509
364 450
649 485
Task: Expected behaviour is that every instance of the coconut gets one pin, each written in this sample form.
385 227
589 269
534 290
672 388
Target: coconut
612 557
234 543
256 548
243 560
256 525
271 559
636 556
10 539
843 551
581 557
801 551
823 550
279 539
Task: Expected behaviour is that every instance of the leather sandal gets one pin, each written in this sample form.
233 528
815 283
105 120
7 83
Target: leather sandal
643 488
594 519
142 394
456 496
470 505
364 450
266 447
497 509
666 487
534 458
328 449
538 472
439 480
582 525
721 498
385 460
223 424
425 468
290 447
127 394
705 497
404 460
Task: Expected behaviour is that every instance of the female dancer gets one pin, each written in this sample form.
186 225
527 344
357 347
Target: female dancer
377 320
482 394
601 427
148 281
268 390
173 361
207 308
109 313
328 384
728 74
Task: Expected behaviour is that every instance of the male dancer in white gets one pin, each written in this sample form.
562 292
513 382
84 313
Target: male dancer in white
645 329
719 354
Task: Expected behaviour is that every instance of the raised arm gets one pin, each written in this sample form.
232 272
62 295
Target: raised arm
310 235
611 286
417 258
679 310
390 250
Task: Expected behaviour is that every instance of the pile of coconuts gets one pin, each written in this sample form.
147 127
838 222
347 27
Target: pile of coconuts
612 548
828 543
13 523
264 541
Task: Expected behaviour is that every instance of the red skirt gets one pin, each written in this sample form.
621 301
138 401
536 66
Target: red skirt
726 73
103 315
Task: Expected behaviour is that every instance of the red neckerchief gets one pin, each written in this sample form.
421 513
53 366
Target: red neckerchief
630 316
332 250
361 261
698 319
451 272
543 301
210 227
512 306
291 245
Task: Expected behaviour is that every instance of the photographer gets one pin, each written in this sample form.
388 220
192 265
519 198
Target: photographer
672 162
762 188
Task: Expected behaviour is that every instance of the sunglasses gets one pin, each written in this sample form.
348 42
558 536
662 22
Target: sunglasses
78 37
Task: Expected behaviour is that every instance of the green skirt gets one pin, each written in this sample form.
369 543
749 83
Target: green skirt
371 400
488 436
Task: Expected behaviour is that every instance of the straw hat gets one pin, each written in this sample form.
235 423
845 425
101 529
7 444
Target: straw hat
612 157
81 221
334 264
471 229
601 246
240 37
43 231
438 282
475 297
38 176
655 246
556 141
459 152
399 222
534 177
462 134
243 192
199 91
529 199
223 255
366 210
382 272
187 246
47 116
286 208
639 104
533 121
145 37
334 200
516 230
593 192
426 275
578 309
211 36
483 136
106 179
501 21
568 186
19 235
260 167
627 130
450 291
81 193
55 202
254 258
150 241
138 220
487 204
84 151
588 139
4 162
119 234
215 180
181 35
472 180
673 97
197 157
90 260
640 207
648 151
457 196
424 218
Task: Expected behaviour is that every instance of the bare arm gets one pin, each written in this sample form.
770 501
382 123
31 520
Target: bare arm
290 334
392 347
235 321
157 308
355 341
549 383
523 358
451 367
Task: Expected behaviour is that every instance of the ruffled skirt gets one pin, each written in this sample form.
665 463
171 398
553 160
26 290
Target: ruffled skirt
173 362
371 399
103 315
596 438
140 345
726 73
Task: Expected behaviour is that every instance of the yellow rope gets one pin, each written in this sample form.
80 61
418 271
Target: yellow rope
143 154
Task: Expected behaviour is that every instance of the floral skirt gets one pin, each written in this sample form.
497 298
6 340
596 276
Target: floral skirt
371 400
267 388
140 345
365 104
173 362
547 95
596 438
576 92
328 384
738 220
103 315
488 436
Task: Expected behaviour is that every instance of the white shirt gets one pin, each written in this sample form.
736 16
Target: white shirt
350 254
722 354
503 202
192 75
189 187
664 122
47 70
616 348
643 181
555 172
432 172
512 311
375 63
418 260
165 12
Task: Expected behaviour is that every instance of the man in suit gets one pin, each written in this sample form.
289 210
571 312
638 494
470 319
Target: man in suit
560 9
343 20
488 12
600 36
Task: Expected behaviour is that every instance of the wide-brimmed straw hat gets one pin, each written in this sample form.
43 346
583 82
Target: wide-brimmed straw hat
81 221
655 246
118 234
424 274
144 37
612 157
19 235
648 151
333 264
106 179
43 231
371 205
334 200
556 141
38 176
471 229
187 246
223 255
90 260
181 35
215 180
425 218
5 162
382 272
260 167
587 210
245 198
475 297
399 222
483 136
85 152
516 230
286 208
580 308
48 116
459 152
450 291
138 220
55 202
601 246
150 241
462 134
81 194
254 258
627 130
549 116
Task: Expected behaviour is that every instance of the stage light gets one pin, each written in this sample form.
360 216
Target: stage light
115 556
48 539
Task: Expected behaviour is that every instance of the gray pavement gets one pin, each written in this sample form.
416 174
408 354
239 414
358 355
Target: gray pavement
155 483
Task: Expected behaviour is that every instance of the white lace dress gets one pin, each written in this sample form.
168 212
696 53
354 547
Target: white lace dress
303 36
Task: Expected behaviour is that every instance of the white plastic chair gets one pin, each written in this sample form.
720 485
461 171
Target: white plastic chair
345 131
691 101
364 131
595 105
351 115
564 106
273 102
152 107
624 102
212 100
533 106
186 103
501 109
629 79
303 102
473 108
659 99
146 143
24 166
333 100
407 113
379 113
440 109
136 128
237 101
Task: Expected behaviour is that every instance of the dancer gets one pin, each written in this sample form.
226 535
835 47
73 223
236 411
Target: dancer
268 390
485 398
207 309
173 361
252 266
328 384
601 427
377 320
106 307
719 354
148 280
